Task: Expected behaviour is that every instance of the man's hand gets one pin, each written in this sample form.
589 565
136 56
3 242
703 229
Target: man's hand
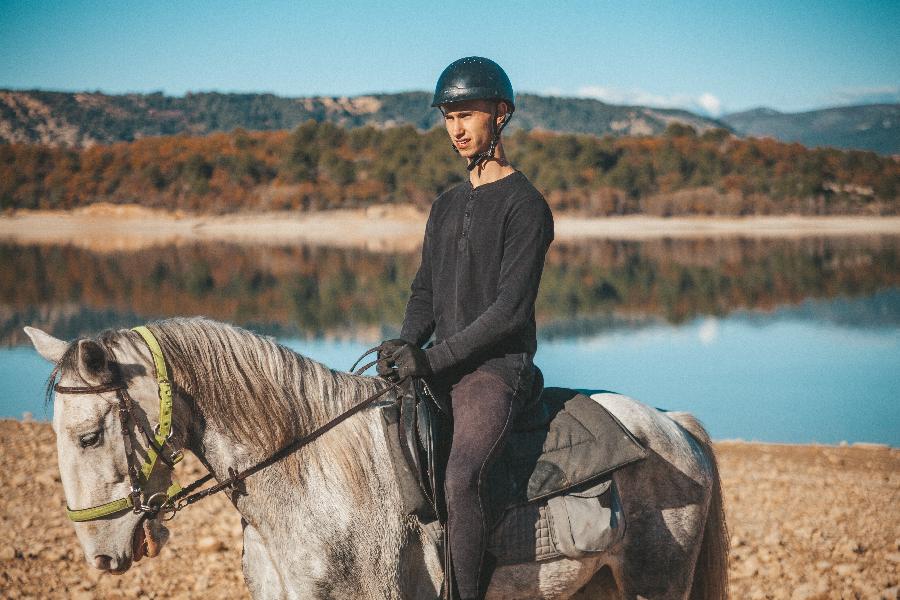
385 364
411 361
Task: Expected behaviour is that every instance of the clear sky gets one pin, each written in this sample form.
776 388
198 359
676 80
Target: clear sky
709 57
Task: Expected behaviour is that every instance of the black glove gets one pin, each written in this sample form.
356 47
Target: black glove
385 364
411 361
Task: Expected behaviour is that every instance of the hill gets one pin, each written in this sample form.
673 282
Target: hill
873 127
85 119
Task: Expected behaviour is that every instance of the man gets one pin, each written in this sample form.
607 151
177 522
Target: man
482 259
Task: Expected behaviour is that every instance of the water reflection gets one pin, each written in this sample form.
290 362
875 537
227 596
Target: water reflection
310 292
777 340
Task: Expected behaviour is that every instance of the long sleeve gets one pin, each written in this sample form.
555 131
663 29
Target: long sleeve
527 235
418 322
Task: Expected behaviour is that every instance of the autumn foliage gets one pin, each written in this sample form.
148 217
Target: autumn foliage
322 166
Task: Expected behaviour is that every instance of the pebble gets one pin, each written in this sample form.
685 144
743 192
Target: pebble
773 539
7 553
210 544
893 557
846 569
809 590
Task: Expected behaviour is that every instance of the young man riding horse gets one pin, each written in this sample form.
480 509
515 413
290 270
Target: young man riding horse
482 259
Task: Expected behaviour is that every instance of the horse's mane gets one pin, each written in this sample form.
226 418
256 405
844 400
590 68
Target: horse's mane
257 392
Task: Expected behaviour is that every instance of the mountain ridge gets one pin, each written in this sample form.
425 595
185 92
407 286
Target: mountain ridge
87 118
874 127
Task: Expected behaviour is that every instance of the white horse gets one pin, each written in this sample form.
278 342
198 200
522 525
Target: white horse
326 522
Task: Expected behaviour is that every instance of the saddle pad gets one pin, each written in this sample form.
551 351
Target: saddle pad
546 530
523 536
582 443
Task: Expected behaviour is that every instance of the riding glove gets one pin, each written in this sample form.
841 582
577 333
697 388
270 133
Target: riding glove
385 364
411 361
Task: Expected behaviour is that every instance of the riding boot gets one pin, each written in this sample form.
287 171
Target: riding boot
488 564
448 587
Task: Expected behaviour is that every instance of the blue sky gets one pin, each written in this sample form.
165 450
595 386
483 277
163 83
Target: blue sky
708 57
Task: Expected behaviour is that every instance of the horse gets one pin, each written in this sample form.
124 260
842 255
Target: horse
326 521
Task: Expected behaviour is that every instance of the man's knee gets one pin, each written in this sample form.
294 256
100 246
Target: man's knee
461 479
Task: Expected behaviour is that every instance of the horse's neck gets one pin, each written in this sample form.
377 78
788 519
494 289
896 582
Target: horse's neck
359 476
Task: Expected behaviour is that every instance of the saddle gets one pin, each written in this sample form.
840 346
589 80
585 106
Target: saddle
563 443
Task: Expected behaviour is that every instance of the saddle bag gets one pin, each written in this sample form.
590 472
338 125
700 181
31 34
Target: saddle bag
586 521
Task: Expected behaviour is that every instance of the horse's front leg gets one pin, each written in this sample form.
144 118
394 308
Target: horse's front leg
260 574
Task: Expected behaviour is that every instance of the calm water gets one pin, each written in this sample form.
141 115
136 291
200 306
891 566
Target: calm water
779 340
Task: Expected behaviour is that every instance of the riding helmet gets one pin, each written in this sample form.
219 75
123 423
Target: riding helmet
473 78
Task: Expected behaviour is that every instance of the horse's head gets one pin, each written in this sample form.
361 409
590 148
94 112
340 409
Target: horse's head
94 438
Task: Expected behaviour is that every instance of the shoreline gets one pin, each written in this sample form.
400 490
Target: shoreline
386 228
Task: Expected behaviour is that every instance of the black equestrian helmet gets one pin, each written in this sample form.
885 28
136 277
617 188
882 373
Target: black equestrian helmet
473 78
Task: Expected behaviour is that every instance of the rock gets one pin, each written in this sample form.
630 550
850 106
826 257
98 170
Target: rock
210 544
45 480
893 557
7 553
749 567
871 446
757 594
810 591
81 595
846 569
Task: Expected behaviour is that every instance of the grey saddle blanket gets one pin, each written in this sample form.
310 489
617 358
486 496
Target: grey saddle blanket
565 442
571 440
572 525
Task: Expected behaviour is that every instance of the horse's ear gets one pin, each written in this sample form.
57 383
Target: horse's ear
91 357
47 346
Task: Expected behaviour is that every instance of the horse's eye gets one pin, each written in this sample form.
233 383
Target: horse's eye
90 439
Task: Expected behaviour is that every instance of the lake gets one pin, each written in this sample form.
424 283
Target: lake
774 340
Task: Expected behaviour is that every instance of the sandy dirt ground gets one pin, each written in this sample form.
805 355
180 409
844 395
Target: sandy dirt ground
807 522
107 227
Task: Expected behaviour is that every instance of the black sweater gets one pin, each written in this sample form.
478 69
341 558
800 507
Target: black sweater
482 259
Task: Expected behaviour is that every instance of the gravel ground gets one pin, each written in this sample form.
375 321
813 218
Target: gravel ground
807 522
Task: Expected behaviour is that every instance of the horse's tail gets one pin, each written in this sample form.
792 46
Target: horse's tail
711 569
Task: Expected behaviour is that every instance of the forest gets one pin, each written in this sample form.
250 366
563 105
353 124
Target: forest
320 165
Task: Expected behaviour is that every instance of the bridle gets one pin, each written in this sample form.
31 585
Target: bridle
175 497
139 475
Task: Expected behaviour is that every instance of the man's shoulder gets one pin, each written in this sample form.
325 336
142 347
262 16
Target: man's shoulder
448 196
526 195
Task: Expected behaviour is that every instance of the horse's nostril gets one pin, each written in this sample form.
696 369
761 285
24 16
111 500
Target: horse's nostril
103 562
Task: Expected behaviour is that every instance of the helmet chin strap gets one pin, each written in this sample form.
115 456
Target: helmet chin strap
481 157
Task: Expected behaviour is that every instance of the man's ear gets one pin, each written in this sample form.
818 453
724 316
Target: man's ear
502 111
47 346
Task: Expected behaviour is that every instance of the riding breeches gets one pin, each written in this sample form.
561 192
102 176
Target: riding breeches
484 407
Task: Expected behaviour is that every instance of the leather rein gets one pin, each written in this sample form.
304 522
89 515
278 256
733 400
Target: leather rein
175 497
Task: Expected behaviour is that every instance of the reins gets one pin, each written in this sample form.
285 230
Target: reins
176 497
181 500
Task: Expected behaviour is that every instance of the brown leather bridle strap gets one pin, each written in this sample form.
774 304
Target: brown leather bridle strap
90 389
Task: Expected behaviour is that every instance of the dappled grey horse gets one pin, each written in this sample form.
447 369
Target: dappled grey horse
327 522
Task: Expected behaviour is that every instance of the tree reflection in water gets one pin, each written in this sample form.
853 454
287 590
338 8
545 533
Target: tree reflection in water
309 291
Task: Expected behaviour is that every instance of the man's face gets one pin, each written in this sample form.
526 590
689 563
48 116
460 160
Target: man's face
468 124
